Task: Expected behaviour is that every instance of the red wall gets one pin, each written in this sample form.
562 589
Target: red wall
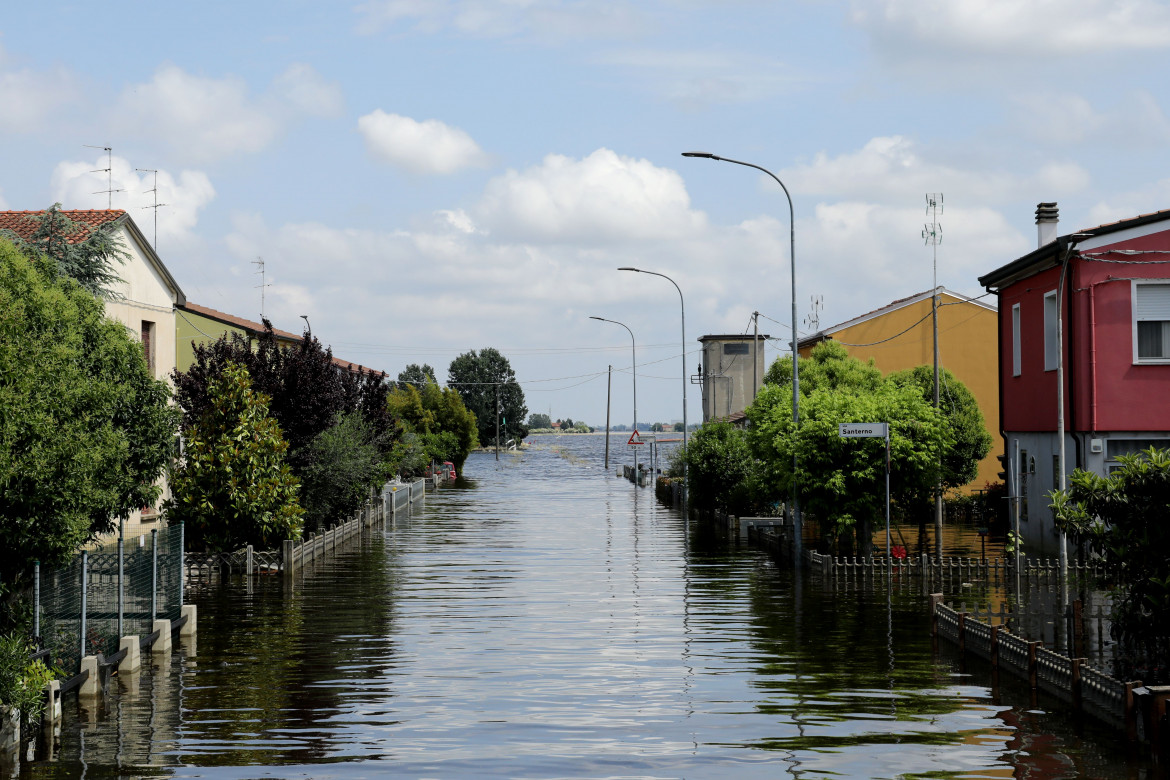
1111 393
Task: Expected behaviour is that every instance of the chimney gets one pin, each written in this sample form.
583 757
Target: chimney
1047 217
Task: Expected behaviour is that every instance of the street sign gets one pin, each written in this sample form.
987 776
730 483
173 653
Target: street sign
635 438
863 430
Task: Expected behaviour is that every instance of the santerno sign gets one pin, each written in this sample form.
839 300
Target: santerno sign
862 430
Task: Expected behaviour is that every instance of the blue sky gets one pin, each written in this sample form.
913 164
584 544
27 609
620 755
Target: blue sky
424 177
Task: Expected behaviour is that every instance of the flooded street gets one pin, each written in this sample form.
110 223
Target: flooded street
544 619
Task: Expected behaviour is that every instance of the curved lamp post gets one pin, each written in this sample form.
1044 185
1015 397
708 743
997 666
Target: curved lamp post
634 371
797 541
683 307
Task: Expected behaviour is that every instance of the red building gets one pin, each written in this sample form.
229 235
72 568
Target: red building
1114 318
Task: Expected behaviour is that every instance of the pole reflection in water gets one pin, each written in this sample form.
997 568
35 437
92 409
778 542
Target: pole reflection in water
547 619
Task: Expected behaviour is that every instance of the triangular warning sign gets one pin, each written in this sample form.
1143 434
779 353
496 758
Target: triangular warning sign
634 438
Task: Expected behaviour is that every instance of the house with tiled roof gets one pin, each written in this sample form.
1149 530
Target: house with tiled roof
1092 307
197 325
900 336
144 300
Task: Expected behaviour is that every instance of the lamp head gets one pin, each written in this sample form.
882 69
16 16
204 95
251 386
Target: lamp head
704 155
630 268
596 318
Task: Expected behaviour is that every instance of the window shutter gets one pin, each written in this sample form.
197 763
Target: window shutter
1152 302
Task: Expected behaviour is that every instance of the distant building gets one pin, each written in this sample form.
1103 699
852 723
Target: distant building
731 373
1115 312
900 335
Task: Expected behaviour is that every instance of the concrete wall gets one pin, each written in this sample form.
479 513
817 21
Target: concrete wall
728 374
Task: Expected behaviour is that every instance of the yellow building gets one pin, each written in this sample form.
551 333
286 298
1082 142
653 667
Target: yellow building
901 335
195 324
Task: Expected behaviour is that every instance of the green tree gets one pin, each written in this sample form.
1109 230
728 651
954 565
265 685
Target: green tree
416 375
85 253
842 481
970 441
233 486
722 471
539 421
347 463
477 376
1124 520
85 430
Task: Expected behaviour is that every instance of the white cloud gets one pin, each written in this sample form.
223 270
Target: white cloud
31 98
1017 29
1135 119
206 119
1126 205
74 184
601 198
306 91
427 147
891 169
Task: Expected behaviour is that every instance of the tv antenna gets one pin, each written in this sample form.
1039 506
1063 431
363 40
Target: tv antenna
932 235
813 320
108 171
156 205
259 261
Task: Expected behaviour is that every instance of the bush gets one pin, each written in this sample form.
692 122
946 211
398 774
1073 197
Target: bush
22 683
346 462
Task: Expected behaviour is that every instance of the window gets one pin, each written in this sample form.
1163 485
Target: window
148 344
736 349
1016 340
1151 314
1051 347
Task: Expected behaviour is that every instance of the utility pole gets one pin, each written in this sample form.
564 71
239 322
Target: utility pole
608 396
930 233
497 421
755 354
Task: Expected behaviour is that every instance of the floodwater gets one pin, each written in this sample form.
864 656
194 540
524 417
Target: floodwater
546 619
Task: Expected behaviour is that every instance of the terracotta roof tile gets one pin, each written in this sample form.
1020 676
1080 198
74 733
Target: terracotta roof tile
20 222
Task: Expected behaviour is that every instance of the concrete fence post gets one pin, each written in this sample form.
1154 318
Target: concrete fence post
93 683
248 561
286 557
191 626
132 661
163 643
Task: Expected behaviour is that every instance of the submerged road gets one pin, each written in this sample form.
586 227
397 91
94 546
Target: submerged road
544 619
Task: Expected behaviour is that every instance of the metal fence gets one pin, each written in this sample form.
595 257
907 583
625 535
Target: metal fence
86 606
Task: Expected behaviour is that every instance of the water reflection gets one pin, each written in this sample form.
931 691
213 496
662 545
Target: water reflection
543 619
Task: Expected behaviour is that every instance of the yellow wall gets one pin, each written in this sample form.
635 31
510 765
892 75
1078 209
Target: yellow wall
195 327
968 348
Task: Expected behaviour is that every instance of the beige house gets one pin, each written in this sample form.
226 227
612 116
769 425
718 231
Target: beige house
147 297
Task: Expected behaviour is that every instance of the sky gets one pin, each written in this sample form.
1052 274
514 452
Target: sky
426 177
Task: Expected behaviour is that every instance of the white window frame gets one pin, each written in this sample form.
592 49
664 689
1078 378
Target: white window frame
1134 322
1051 323
1016 364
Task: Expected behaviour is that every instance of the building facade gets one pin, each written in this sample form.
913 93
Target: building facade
1094 307
731 374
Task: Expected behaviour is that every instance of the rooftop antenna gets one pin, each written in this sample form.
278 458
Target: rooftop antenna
109 171
156 205
259 261
932 235
813 320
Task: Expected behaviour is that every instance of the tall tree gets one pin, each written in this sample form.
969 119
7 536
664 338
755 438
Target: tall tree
478 376
82 252
233 487
85 430
419 376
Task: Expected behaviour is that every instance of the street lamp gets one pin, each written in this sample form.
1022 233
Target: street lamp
797 530
308 327
683 307
634 371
